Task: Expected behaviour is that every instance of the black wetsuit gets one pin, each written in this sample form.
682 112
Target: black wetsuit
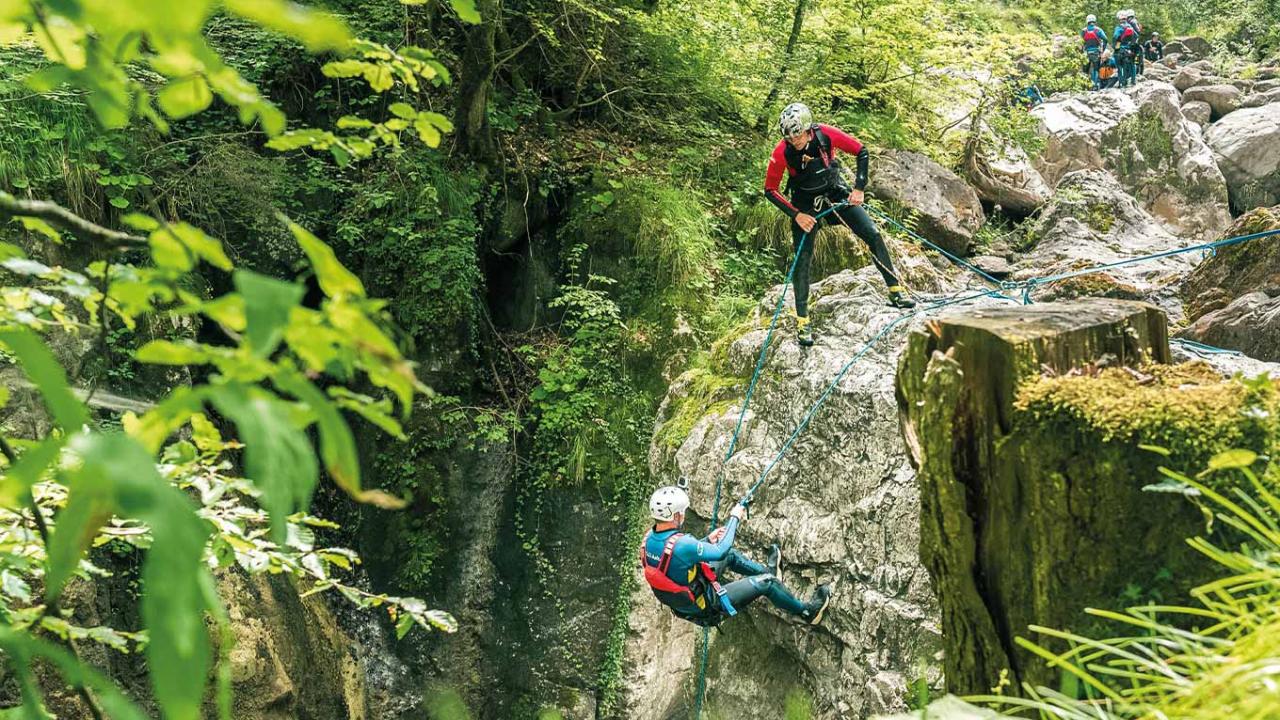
815 181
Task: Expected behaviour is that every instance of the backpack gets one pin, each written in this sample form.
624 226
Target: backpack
1128 35
1092 39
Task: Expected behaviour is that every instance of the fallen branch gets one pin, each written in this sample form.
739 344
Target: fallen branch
56 215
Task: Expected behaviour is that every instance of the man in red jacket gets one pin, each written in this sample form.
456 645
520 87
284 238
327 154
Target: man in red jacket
807 155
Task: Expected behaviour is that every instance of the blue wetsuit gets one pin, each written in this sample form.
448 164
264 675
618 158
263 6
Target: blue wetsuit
689 551
1095 42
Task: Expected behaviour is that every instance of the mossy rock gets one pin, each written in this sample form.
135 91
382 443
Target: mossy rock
1235 270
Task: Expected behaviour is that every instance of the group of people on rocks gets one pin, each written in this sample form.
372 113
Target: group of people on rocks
1119 61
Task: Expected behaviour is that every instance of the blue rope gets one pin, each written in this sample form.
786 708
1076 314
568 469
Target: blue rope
1194 346
1029 285
822 399
921 239
742 414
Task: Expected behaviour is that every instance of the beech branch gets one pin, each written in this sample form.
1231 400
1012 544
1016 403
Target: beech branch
56 215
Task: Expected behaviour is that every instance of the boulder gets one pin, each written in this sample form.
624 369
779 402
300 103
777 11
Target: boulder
1247 146
948 209
949 707
1260 98
1092 221
1025 425
1223 99
1204 66
1193 45
1141 137
1197 111
1250 324
1170 60
1003 175
1187 78
1236 270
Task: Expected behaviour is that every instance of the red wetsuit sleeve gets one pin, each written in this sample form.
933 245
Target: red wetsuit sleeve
773 180
840 140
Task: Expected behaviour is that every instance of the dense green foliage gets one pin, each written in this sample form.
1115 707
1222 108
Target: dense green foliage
559 203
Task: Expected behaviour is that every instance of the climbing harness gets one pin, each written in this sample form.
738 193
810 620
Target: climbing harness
999 292
702 577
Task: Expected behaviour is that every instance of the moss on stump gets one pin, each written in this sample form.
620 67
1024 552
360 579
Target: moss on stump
1026 426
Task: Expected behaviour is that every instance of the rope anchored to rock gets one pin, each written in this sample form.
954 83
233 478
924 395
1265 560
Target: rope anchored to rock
1027 286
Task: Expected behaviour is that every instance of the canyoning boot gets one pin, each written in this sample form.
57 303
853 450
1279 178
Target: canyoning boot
898 298
775 561
814 609
804 333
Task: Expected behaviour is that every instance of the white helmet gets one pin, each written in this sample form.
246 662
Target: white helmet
795 119
667 501
1091 19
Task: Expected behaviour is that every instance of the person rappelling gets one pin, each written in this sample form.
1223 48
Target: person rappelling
807 155
683 571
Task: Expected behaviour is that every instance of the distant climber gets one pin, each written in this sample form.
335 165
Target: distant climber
1093 41
1131 17
1154 49
683 571
806 154
1031 96
1124 43
1108 75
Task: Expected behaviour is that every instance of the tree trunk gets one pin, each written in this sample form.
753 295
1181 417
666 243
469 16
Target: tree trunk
797 23
476 84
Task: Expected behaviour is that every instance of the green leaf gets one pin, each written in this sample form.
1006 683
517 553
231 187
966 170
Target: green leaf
405 622
267 303
119 202
22 647
161 421
337 445
297 139
278 457
404 110
427 132
379 77
351 122
466 10
40 226
44 370
165 352
138 221
1233 460
184 97
335 280
318 31
174 574
345 68
169 252
196 241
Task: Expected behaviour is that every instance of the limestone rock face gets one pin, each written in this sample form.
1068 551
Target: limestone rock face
1141 137
842 503
1223 99
1247 145
1091 221
949 210
1236 270
1022 475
